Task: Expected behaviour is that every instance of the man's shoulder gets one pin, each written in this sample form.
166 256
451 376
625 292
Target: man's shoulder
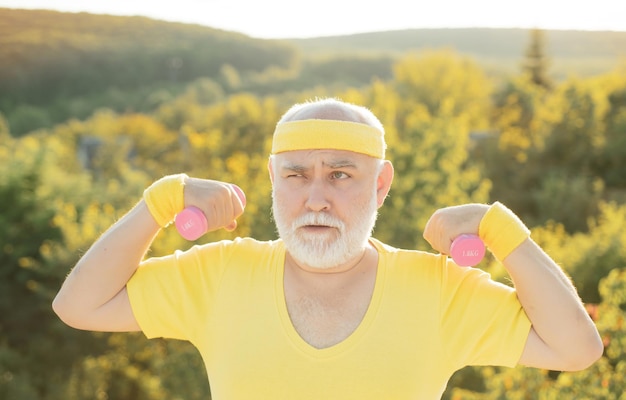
244 246
244 242
384 248
255 243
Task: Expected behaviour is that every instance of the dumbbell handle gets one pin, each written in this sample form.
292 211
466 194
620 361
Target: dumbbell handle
467 250
191 223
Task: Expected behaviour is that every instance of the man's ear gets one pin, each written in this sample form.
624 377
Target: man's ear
270 168
383 183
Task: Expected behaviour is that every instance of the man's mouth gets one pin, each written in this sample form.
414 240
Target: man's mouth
316 228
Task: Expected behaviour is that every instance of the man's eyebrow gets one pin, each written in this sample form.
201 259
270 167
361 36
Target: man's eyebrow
334 164
292 166
341 164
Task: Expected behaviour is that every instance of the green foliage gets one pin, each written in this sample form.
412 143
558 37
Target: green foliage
31 338
27 231
444 83
588 256
545 161
26 118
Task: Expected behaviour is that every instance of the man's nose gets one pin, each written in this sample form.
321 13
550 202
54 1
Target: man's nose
317 196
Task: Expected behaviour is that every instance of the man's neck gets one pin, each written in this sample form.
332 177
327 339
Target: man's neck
345 268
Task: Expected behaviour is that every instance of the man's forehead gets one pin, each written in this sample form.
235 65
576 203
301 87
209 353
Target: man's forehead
326 156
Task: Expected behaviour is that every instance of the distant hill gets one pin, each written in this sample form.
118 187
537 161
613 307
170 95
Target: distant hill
44 54
572 52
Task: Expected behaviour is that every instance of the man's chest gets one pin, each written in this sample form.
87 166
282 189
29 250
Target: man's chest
324 321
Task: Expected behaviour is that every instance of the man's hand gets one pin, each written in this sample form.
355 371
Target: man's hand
219 201
447 223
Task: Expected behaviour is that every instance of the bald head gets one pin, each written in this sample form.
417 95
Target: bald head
331 109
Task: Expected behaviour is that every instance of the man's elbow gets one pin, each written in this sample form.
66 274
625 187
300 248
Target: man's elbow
587 355
64 311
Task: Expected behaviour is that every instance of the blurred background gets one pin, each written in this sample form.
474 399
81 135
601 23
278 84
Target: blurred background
523 103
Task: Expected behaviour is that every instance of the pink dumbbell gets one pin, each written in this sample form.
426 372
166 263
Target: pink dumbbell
191 223
467 250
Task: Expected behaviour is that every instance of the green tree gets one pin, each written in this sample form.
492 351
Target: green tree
27 118
445 83
520 121
612 159
567 189
536 62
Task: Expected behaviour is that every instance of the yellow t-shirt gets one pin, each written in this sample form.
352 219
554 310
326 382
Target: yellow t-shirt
427 318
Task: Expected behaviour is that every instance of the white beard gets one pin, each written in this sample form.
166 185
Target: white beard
332 248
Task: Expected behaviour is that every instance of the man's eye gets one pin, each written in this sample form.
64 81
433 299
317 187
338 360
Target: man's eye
339 175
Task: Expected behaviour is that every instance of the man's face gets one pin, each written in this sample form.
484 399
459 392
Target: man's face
324 204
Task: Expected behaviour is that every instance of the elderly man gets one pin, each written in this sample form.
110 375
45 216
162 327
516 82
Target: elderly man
327 311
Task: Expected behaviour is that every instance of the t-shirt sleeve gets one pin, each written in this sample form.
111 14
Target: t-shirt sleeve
482 321
170 296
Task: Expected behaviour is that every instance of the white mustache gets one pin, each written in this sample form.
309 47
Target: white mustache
318 219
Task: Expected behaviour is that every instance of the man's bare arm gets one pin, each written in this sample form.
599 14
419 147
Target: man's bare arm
93 296
563 336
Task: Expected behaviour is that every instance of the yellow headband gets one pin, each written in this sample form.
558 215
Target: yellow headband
328 134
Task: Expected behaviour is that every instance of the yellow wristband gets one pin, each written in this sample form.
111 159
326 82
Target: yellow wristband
501 230
165 199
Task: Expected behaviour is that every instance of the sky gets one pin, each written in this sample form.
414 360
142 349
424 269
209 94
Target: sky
276 19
